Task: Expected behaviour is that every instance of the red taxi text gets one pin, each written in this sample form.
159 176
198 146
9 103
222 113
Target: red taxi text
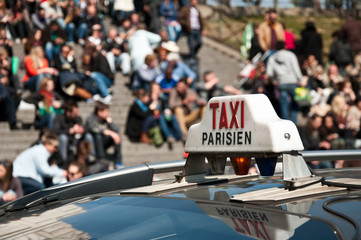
223 118
227 122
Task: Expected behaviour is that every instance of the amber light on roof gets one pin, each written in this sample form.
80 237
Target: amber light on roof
240 165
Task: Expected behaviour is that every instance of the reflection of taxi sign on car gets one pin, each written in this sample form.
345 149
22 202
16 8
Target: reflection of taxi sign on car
241 127
258 223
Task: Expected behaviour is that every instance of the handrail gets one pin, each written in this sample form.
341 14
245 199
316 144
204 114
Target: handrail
332 155
170 166
319 155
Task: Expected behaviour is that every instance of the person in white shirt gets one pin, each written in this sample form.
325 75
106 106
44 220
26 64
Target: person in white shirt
142 43
31 166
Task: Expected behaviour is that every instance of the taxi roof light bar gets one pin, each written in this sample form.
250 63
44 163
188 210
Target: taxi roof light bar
241 127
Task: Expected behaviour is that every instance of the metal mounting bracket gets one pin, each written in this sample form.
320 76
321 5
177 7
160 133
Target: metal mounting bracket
296 172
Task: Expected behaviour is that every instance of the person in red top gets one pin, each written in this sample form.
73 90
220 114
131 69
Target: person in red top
37 67
290 40
48 103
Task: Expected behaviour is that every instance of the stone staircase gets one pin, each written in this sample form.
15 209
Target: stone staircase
133 153
14 142
223 61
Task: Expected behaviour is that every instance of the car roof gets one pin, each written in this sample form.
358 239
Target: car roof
191 209
208 198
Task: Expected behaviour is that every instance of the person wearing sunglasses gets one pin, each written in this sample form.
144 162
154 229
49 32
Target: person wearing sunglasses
75 171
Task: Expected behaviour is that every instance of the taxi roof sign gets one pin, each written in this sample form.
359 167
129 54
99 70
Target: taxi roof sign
246 124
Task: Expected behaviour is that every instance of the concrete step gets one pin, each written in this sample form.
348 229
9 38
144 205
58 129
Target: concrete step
10 156
13 142
18 136
17 147
26 115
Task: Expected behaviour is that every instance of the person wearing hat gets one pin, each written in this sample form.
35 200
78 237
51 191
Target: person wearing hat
170 53
170 46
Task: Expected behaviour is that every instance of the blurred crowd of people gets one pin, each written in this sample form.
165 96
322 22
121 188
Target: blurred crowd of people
140 43
298 78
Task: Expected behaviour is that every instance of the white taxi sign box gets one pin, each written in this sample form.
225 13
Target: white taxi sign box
242 125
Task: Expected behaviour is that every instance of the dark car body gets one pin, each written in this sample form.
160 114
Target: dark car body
207 210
